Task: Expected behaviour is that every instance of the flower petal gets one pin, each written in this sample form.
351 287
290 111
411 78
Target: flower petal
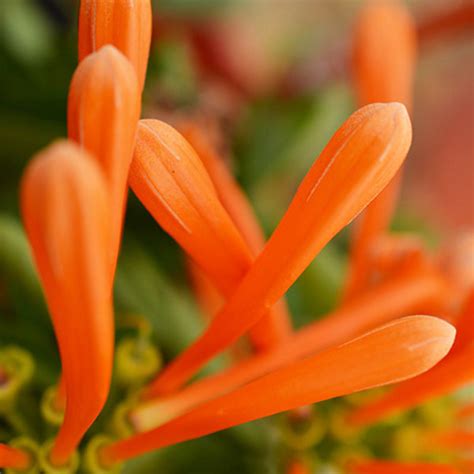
65 211
103 112
394 352
124 24
354 167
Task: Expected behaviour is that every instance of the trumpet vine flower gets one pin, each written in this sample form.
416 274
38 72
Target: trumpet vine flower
391 353
66 214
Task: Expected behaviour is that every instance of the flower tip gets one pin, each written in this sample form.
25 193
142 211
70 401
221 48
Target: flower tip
431 338
394 111
398 110
441 332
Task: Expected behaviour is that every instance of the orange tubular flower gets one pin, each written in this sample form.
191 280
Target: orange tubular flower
384 63
103 112
402 295
385 467
276 326
65 210
394 352
126 24
170 180
361 158
13 458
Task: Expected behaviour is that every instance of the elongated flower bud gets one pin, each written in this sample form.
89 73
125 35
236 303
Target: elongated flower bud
103 112
170 180
389 354
65 210
360 159
126 24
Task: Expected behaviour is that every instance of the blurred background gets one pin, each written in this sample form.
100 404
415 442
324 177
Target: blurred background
271 79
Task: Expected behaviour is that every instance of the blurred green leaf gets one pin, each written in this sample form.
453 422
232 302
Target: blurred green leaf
26 31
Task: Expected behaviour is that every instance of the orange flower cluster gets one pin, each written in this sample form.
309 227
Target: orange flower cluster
73 200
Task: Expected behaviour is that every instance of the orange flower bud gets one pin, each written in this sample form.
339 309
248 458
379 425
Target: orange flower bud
170 180
65 210
103 112
389 354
